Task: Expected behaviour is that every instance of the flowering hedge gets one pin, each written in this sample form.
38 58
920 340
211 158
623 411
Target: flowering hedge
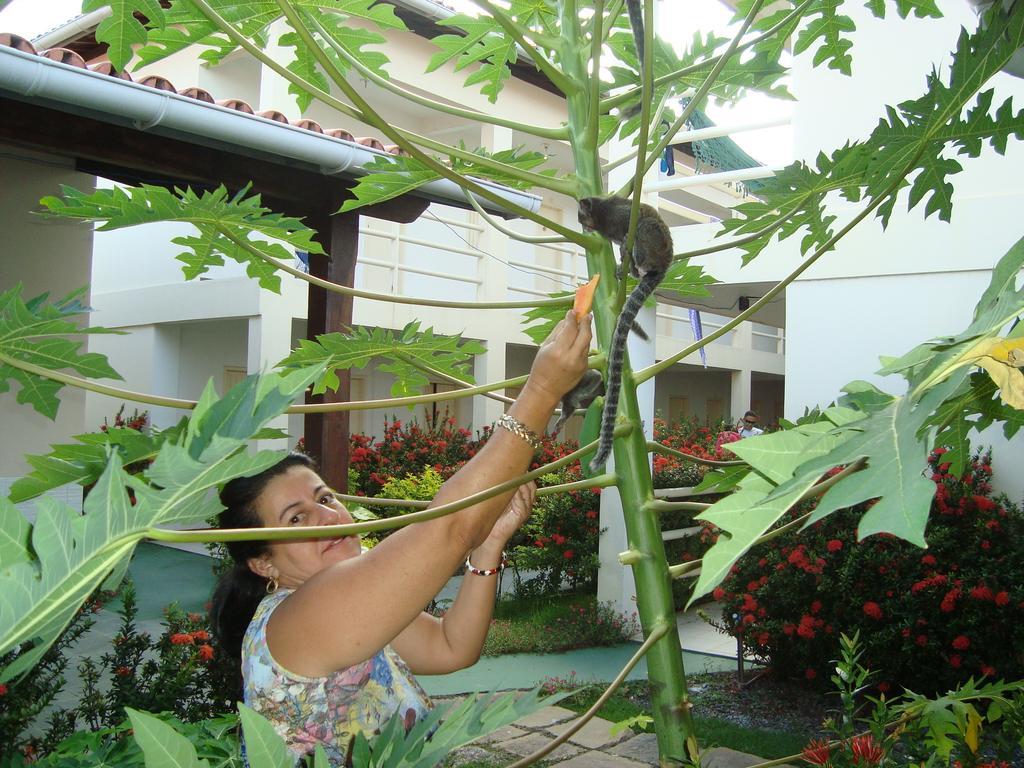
689 437
928 618
407 449
560 542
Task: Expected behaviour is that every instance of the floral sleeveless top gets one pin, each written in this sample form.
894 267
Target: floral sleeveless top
326 710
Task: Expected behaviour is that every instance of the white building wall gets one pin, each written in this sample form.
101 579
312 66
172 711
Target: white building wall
884 293
42 255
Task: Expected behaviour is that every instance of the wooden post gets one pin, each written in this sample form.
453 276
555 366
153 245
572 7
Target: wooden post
327 434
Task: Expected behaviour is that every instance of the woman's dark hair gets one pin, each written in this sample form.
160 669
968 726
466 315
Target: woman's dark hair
239 590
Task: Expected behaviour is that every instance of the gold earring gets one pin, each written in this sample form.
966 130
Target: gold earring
272 585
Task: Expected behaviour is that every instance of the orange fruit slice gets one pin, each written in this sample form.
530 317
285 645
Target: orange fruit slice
585 296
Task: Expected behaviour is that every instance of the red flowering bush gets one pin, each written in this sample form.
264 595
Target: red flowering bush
688 437
178 672
929 618
559 541
407 449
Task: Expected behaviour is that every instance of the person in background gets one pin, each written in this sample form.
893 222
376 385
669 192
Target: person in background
329 637
747 426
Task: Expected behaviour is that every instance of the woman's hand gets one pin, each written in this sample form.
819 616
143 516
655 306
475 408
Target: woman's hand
562 358
516 513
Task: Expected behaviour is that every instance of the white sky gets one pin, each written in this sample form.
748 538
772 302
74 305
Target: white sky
772 146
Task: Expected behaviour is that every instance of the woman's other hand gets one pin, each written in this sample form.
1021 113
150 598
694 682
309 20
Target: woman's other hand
516 513
562 359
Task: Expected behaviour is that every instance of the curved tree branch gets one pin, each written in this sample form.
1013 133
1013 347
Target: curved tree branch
348 529
406 137
388 130
655 447
355 292
509 232
560 133
187 405
656 635
598 481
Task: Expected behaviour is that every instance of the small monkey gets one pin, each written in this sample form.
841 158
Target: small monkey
651 258
579 398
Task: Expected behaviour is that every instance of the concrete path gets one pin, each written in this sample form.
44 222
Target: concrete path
595 745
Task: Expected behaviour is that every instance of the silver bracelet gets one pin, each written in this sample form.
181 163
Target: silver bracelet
519 429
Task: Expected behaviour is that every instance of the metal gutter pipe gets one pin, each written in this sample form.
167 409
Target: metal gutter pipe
32 78
71 29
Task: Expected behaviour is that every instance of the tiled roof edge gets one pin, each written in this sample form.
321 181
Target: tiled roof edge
342 153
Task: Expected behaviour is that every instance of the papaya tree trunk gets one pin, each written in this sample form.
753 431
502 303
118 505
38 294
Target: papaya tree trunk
667 678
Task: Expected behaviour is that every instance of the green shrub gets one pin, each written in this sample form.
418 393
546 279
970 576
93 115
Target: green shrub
930 619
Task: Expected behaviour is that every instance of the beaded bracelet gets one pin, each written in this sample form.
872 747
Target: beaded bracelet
519 429
470 568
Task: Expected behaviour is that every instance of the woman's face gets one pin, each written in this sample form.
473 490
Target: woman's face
299 497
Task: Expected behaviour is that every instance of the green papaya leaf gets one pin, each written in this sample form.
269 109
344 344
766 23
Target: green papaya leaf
36 332
121 29
14 535
264 748
482 42
225 225
388 177
74 553
431 739
748 513
410 355
162 746
914 137
82 462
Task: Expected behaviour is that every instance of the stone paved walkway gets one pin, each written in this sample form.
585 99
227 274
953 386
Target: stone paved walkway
593 746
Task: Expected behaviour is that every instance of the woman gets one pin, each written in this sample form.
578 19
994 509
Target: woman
329 638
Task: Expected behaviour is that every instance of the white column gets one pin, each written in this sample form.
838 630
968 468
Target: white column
490 366
615 582
269 342
739 400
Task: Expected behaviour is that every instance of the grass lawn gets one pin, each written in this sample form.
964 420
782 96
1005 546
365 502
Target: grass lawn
551 624
711 731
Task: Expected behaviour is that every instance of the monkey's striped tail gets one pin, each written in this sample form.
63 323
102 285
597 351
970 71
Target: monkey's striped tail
616 360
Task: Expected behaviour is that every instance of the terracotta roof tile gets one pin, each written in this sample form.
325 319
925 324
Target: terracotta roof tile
66 56
309 125
370 141
199 94
158 82
106 68
340 133
236 104
17 42
278 117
